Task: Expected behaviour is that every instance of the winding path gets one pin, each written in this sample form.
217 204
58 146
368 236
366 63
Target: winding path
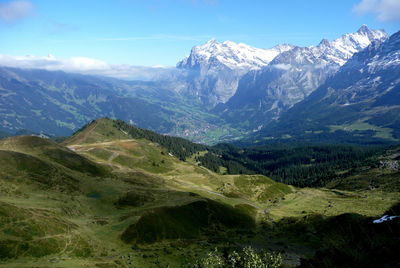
112 157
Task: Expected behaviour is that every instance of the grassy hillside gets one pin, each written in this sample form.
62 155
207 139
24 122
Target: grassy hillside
50 151
104 199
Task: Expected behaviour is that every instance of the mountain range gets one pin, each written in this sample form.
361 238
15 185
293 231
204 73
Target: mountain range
227 91
361 99
262 95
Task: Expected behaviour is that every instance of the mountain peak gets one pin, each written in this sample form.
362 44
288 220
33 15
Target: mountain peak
212 41
363 29
229 43
236 56
324 42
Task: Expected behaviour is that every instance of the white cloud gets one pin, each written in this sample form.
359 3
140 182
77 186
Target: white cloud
89 66
282 66
385 10
15 10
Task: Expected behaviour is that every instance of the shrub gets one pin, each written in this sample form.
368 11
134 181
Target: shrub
247 258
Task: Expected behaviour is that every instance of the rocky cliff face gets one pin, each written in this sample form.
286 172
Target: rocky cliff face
215 68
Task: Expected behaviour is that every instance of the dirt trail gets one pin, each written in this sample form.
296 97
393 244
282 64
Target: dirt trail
81 137
88 132
112 157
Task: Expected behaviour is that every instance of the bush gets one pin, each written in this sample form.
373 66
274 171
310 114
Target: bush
247 258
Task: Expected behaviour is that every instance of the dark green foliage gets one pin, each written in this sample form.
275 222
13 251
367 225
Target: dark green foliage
179 147
351 240
245 258
214 161
186 221
307 165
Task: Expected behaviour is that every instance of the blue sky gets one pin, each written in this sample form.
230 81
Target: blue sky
161 32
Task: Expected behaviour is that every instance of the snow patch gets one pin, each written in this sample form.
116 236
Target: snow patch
385 218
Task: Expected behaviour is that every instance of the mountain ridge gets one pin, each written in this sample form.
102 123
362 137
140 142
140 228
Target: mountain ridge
290 77
362 97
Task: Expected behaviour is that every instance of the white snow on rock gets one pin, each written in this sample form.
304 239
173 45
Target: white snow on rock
220 66
232 55
385 218
345 46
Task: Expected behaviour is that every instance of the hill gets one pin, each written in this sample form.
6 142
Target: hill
117 129
113 197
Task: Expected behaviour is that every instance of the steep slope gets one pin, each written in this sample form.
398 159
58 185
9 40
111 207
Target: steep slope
361 101
215 68
290 77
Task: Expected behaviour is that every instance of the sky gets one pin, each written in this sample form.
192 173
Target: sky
161 32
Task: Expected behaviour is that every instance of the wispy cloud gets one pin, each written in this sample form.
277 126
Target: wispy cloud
385 10
15 10
89 66
284 67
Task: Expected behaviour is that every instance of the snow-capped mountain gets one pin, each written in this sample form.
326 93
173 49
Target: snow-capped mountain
217 67
343 48
361 100
232 55
292 75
